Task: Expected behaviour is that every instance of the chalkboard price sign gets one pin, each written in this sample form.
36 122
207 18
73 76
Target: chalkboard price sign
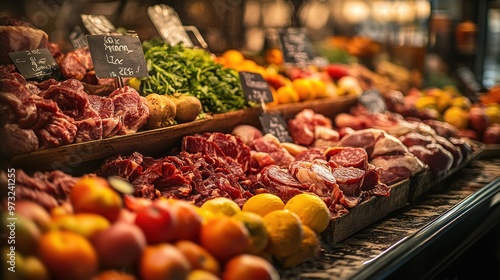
117 56
38 64
169 25
296 47
254 86
275 125
373 101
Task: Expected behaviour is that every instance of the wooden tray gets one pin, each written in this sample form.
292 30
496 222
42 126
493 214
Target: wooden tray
367 213
424 181
76 159
491 150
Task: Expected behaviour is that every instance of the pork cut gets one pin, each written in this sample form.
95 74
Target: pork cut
308 128
396 168
271 145
438 159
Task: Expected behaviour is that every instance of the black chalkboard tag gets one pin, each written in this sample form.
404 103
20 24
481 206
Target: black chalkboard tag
169 25
38 64
254 86
373 101
275 125
78 38
117 56
296 47
97 24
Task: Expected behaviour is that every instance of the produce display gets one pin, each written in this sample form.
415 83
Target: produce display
237 204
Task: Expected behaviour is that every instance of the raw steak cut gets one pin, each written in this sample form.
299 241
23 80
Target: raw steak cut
106 109
317 173
17 35
435 156
75 64
131 108
347 157
271 145
395 168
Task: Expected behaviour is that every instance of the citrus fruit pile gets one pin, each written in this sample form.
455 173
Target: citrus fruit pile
101 233
298 85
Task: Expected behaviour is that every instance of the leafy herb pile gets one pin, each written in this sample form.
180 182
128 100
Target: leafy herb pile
178 69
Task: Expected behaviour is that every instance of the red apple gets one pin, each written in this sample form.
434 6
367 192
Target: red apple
188 219
337 70
158 222
119 246
478 119
492 134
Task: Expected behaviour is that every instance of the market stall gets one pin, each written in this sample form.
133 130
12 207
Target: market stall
152 151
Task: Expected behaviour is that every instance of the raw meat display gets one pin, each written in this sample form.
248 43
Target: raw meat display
17 35
310 129
51 113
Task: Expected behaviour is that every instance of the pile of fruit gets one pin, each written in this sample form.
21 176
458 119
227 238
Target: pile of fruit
478 121
102 233
294 84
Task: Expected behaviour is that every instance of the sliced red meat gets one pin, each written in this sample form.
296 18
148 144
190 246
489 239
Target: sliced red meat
69 96
233 147
364 138
349 179
463 144
347 157
317 174
372 185
454 150
247 133
278 181
271 145
58 130
131 108
415 138
128 168
311 154
303 126
443 129
435 156
75 64
395 168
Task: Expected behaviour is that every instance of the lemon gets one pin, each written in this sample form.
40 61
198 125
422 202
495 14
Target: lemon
310 248
285 233
311 210
221 205
263 203
319 88
135 83
286 94
462 102
255 226
426 101
457 117
303 88
233 57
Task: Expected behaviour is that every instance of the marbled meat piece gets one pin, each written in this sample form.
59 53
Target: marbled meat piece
317 174
271 145
104 106
396 168
347 157
276 180
308 128
349 180
435 156
76 64
312 154
131 108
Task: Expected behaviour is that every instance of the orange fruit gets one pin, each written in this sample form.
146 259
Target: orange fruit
163 261
224 237
198 257
233 57
304 88
257 230
85 224
221 205
287 94
95 195
67 255
285 232
274 56
311 210
114 275
249 267
198 274
263 203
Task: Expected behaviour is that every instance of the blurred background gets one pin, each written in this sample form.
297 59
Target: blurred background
441 39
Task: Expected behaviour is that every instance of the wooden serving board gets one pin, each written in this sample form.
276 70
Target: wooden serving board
366 213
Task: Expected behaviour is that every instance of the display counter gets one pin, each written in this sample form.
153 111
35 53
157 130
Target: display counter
425 239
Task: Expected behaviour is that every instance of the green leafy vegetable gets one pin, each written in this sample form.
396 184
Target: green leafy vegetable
178 69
